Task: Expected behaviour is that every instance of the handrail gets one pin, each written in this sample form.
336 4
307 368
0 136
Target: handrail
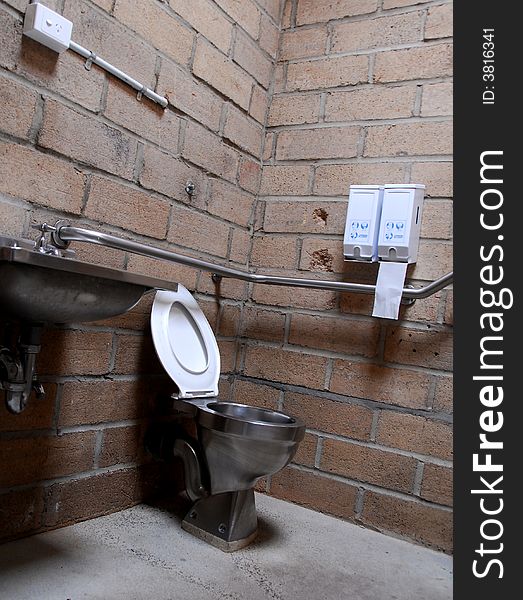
63 234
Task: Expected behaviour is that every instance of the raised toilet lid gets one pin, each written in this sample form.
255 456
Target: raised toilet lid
185 343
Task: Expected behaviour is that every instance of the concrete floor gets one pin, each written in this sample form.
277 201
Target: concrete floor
143 554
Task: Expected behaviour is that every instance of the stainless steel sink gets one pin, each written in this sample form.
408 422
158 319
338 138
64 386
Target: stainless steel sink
44 288
43 284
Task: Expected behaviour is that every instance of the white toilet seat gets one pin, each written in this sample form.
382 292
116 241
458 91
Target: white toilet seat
185 343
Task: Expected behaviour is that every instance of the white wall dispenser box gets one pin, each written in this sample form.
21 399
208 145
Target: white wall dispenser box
360 241
400 222
47 27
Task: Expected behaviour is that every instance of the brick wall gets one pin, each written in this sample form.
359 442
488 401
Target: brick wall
76 144
362 94
272 125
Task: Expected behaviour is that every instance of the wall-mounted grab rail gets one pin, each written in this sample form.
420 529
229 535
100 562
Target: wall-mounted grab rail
63 234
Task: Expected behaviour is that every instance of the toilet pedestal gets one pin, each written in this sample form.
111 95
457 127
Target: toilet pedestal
227 521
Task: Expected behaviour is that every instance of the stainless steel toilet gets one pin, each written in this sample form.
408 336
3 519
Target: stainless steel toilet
236 444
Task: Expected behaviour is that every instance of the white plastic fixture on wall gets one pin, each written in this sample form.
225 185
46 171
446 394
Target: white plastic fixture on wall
54 31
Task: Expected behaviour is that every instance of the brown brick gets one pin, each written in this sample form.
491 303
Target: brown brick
436 100
279 78
243 132
276 364
274 252
434 260
12 216
90 497
91 402
163 270
39 458
413 63
100 255
231 203
72 352
294 110
317 11
318 254
22 4
40 178
315 491
259 104
126 207
255 394
303 43
277 295
229 320
443 400
414 347
157 26
398 3
135 354
283 179
448 317
259 324
249 175
207 19
315 216
20 512
368 464
437 484
226 288
240 246
422 523
207 151
381 384
18 106
306 453
110 39
337 334
269 36
312 144
219 72
287 14
415 434
375 102
334 180
228 353
245 13
251 57
168 175
121 445
107 5
37 415
146 119
437 220
437 176
272 7
73 134
439 22
340 418
188 95
409 139
198 231
327 72
422 311
372 33
39 65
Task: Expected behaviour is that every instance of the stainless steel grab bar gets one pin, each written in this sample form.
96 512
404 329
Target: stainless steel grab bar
63 234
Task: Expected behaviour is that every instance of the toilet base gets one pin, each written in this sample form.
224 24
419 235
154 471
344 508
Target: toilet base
227 521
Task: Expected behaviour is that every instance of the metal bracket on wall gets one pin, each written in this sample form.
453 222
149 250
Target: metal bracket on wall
63 234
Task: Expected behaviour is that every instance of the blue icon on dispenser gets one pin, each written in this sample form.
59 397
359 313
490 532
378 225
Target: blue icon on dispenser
353 235
389 225
400 225
364 225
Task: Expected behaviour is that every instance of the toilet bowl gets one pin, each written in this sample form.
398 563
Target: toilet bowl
236 444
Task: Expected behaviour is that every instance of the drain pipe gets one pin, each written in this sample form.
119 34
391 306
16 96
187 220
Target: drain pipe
18 369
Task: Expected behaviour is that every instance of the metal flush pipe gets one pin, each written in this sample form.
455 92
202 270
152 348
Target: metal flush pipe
63 234
92 58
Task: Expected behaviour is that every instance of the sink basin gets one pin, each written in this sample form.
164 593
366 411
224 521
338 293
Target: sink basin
44 288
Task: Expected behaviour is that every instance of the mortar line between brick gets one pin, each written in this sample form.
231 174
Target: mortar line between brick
374 425
371 487
431 393
367 403
329 367
418 478
319 452
358 503
38 117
